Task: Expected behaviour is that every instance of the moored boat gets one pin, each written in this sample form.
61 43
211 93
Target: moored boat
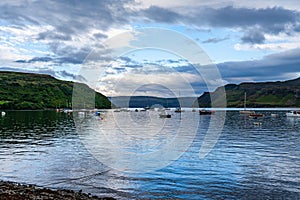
246 112
207 112
178 110
295 113
164 115
256 115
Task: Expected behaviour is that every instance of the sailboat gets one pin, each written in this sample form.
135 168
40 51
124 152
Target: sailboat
248 112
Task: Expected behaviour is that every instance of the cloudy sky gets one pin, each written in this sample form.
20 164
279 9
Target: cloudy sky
244 40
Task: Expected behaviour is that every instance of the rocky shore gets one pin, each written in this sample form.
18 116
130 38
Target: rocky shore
16 191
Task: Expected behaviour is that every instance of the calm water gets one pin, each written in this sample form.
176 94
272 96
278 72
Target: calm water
247 162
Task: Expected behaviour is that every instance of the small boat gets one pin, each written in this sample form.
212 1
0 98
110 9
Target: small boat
257 123
3 113
295 113
207 112
178 110
246 112
67 110
164 115
255 115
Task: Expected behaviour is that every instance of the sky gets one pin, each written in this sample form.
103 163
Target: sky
143 47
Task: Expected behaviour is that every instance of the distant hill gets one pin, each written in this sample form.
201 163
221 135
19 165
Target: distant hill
263 94
149 101
36 91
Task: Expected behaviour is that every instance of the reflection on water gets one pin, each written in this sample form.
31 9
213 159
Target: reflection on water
248 161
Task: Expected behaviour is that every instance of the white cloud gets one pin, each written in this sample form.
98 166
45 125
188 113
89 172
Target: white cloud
129 82
273 46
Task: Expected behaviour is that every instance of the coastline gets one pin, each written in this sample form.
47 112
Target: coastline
14 191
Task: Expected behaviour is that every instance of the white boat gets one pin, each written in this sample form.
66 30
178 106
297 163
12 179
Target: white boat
68 110
247 112
295 113
274 115
3 113
178 110
164 115
257 123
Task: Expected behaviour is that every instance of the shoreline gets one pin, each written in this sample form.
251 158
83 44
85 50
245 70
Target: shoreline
14 191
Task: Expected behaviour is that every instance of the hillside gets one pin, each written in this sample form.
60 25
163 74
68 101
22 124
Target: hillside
264 94
36 91
149 101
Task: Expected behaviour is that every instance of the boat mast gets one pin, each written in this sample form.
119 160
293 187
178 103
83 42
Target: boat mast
245 101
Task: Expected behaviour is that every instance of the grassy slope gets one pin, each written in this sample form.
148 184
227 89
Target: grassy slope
269 94
35 91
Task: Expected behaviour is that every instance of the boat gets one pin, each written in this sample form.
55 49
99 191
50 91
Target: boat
295 113
164 115
257 123
67 110
247 112
255 115
3 113
178 110
206 112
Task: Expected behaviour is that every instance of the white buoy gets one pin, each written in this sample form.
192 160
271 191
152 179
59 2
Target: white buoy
3 113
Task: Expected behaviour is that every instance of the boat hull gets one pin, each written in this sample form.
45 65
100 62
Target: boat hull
206 112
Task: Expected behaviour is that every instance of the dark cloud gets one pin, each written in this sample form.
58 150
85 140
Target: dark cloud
65 55
69 54
35 59
21 61
253 22
277 66
51 35
68 75
272 19
159 14
99 35
70 16
215 40
40 59
126 59
253 37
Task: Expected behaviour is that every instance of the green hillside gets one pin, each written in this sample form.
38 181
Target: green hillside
265 94
36 91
